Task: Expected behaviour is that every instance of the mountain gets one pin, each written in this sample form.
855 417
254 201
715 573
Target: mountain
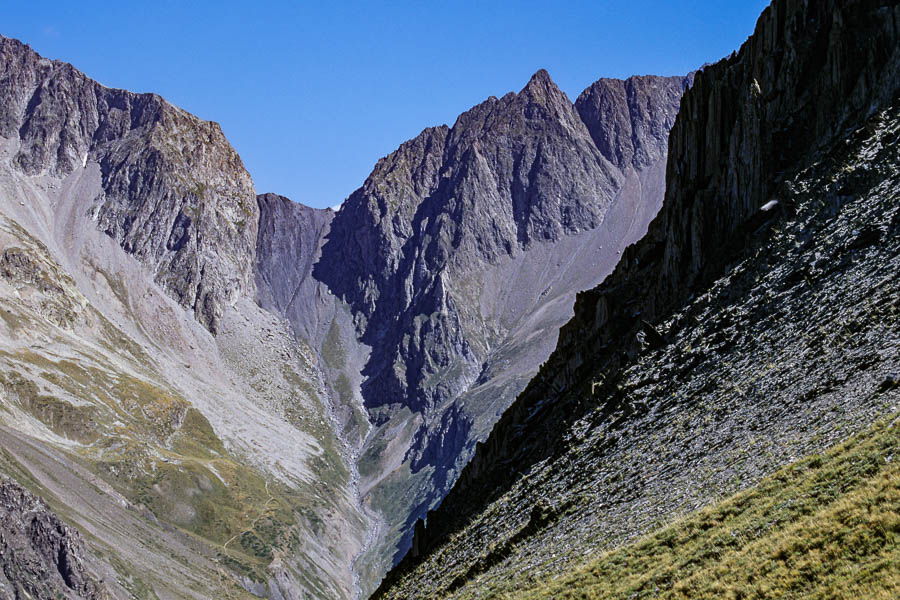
752 325
437 289
147 397
175 194
232 394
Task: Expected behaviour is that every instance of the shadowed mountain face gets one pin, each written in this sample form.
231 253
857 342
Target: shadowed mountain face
286 250
754 323
275 393
461 254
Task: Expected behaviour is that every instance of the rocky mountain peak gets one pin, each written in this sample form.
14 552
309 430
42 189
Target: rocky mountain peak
542 89
400 181
174 193
440 256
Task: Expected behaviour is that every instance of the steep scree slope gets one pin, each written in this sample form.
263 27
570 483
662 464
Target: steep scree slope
737 335
200 465
823 527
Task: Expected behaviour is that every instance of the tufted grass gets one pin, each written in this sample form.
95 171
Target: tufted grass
827 526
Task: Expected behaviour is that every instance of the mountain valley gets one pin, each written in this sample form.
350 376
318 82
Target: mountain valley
628 346
205 355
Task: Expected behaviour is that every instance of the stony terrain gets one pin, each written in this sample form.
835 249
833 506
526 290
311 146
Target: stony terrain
234 395
755 323
434 293
824 527
145 361
175 193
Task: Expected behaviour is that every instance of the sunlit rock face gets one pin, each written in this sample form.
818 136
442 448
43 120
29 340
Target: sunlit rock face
175 194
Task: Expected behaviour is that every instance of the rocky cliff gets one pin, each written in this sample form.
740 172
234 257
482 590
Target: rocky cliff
287 247
630 120
460 255
174 192
42 557
712 353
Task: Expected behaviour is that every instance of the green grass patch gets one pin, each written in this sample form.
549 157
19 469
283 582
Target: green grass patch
78 423
332 349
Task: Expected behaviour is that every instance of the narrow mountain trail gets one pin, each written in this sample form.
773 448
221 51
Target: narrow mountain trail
256 519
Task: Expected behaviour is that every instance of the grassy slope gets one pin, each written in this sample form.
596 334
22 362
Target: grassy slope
827 526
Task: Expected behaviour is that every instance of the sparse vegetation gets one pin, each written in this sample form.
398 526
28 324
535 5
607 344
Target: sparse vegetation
332 349
827 526
164 454
67 420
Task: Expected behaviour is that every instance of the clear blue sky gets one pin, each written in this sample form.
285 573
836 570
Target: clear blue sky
312 94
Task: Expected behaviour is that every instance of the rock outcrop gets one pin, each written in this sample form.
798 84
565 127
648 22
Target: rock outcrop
630 120
758 140
287 247
42 557
460 255
175 193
